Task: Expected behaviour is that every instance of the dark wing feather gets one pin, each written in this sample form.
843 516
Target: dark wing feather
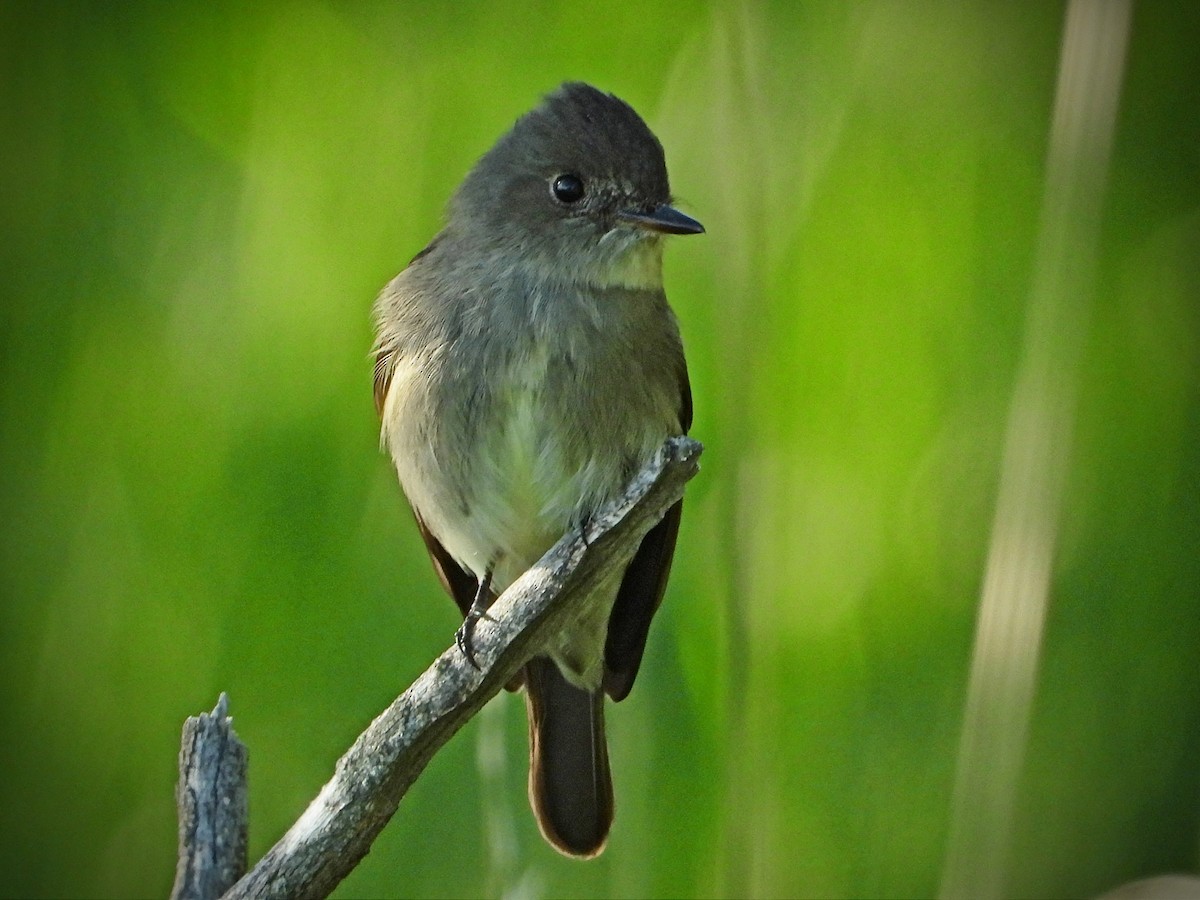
383 377
458 582
645 582
638 599
685 398
384 363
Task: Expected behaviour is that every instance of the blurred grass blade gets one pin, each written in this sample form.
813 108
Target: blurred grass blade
1009 630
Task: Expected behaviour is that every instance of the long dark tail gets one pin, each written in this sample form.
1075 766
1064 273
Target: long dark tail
570 787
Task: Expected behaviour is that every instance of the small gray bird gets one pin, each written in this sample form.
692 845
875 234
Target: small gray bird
526 366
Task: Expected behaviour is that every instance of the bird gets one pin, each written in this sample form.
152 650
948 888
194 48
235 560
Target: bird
526 365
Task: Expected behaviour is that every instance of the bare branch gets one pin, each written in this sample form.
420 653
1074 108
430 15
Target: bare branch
211 798
337 829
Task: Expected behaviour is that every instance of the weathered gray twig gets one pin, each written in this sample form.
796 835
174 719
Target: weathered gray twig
211 797
339 826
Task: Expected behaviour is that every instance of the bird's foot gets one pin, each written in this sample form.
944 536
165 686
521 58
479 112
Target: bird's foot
479 610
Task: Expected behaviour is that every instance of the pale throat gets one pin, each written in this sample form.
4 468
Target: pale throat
639 267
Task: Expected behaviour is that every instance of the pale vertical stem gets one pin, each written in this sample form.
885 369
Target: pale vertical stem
1016 586
499 829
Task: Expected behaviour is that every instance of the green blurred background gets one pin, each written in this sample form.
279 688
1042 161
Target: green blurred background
198 203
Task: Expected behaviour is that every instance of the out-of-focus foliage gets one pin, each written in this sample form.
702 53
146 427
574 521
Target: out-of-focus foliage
197 205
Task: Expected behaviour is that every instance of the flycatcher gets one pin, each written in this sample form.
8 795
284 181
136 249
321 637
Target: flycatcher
526 366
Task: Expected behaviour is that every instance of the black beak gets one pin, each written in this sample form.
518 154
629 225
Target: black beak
664 219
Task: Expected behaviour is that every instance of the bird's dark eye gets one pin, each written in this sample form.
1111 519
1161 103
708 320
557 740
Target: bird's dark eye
567 188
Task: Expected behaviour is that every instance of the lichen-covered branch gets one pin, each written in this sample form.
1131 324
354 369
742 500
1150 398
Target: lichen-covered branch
339 826
211 798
